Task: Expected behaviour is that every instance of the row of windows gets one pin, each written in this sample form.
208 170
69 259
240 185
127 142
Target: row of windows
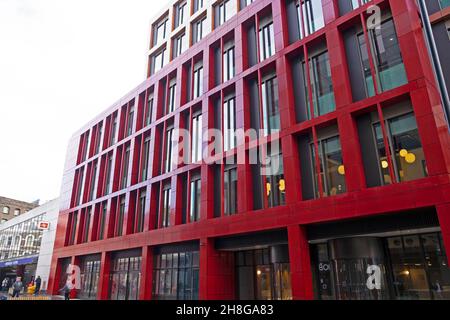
22 239
6 210
314 83
391 152
309 19
160 29
179 42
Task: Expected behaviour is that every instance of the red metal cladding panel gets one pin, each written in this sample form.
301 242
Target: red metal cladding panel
216 278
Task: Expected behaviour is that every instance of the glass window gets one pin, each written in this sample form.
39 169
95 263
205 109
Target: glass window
321 85
141 212
224 11
172 95
198 4
102 221
382 156
73 230
370 90
161 30
158 61
125 166
312 16
248 2
332 170
266 41
113 133
175 278
229 124
198 82
274 179
355 3
195 200
179 45
271 112
180 14
388 62
170 143
230 191
196 143
5 210
93 187
108 183
407 148
145 159
121 217
90 273
125 278
149 111
87 224
198 30
444 3
130 120
166 208
79 186
99 137
17 212
228 64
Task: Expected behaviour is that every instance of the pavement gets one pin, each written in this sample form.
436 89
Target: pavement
28 297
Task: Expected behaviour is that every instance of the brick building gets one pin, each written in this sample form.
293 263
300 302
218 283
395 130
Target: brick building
11 208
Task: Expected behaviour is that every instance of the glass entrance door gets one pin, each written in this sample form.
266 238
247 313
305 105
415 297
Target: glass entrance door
264 282
419 267
125 279
263 275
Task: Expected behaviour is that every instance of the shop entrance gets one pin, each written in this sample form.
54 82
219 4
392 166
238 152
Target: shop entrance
263 274
412 267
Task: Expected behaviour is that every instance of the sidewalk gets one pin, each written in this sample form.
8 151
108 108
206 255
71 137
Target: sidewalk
28 297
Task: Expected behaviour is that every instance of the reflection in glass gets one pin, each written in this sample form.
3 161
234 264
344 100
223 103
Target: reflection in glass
388 62
332 169
407 148
321 86
313 19
382 157
271 112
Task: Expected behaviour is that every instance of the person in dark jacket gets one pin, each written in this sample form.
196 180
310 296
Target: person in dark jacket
37 283
66 290
17 287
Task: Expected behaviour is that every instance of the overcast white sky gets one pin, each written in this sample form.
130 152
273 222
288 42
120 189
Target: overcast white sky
62 62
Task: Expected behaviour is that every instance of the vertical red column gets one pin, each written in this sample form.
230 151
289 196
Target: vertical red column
330 10
146 274
279 29
75 263
177 196
291 170
285 92
55 275
338 66
351 153
244 200
103 281
216 273
301 275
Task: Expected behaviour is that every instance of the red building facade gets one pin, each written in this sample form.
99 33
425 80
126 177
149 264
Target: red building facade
363 182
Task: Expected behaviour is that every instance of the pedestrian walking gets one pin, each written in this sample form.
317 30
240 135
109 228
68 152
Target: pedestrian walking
5 283
17 287
66 290
37 284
